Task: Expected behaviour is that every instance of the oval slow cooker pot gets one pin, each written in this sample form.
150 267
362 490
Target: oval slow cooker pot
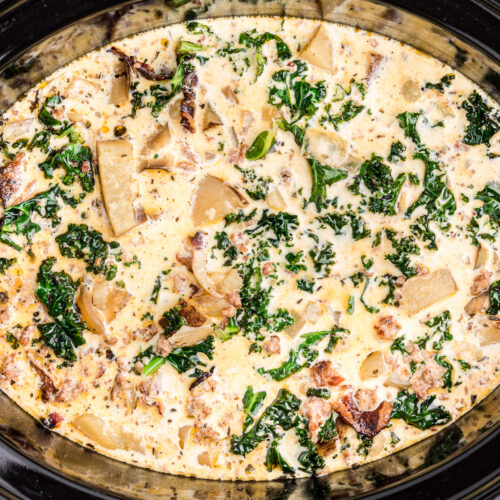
461 461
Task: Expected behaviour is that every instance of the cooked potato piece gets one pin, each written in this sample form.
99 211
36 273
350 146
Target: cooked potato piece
210 305
319 50
276 201
489 335
111 436
228 282
481 257
422 291
120 85
20 129
411 90
116 164
184 433
298 326
215 199
158 141
372 366
327 147
90 313
109 299
79 87
211 118
478 304
188 335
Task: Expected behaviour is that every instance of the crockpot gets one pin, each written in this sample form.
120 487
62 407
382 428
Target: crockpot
460 461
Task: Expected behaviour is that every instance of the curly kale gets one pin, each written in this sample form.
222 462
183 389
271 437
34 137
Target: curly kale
484 121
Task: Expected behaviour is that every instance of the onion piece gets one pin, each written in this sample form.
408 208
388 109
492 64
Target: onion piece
478 304
109 299
215 199
319 50
184 433
79 87
372 366
228 282
188 335
296 329
90 314
116 164
200 272
422 291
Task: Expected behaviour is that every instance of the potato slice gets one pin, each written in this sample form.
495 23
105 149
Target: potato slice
372 366
18 129
327 147
111 436
276 201
422 291
215 199
159 140
116 164
478 304
90 314
78 87
481 257
210 305
489 335
211 118
319 50
228 282
298 326
120 85
411 90
109 299
188 335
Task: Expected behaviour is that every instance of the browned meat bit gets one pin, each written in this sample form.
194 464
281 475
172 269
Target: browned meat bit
188 101
267 268
387 327
52 421
123 392
25 335
234 298
10 180
199 240
185 255
481 283
68 391
47 381
272 345
374 66
324 374
228 311
163 346
141 67
192 316
369 423
428 374
316 410
366 399
200 410
148 332
10 369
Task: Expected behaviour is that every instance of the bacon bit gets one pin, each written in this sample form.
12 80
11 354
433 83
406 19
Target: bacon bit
272 345
316 410
10 368
324 374
141 67
192 316
163 346
369 423
387 327
188 102
185 255
234 298
52 421
481 283
202 378
10 179
267 268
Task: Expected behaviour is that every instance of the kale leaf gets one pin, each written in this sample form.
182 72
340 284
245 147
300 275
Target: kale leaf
322 176
259 188
445 81
280 224
275 459
338 220
323 258
185 358
440 325
223 243
396 152
347 112
18 219
404 247
484 121
377 178
328 430
252 403
422 415
295 92
494 298
5 264
56 290
171 320
81 242
309 459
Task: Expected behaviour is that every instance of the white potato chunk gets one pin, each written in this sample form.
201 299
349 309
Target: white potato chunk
422 291
372 366
319 50
116 164
120 84
215 199
481 257
18 129
489 335
159 140
79 87
276 201
109 299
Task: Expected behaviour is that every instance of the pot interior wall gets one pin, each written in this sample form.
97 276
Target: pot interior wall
50 52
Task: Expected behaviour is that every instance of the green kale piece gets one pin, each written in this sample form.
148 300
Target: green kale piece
45 117
56 291
322 176
309 459
484 121
399 345
338 220
377 178
259 185
347 112
294 92
280 413
18 219
421 415
295 262
494 298
318 392
5 264
280 224
171 320
239 217
396 152
81 242
447 377
440 325
223 243
275 459
445 81
323 258
328 430
404 247
185 358
252 403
